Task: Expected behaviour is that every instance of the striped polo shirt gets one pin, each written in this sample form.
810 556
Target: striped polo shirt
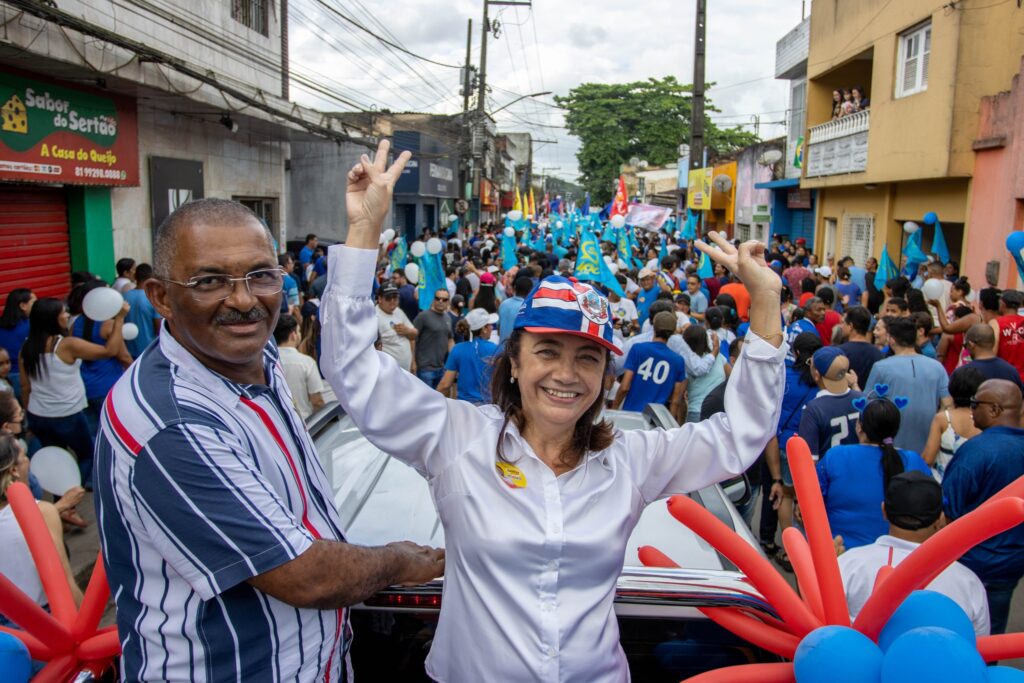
202 483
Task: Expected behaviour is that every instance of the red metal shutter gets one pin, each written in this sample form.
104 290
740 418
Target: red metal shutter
34 247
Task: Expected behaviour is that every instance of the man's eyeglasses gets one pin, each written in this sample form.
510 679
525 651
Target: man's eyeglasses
440 298
207 289
975 403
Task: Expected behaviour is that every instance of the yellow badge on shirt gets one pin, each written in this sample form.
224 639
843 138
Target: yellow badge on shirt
511 475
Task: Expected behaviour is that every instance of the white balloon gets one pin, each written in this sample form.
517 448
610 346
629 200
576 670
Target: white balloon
383 239
559 224
56 470
910 227
618 221
102 303
412 272
932 289
510 232
452 218
417 248
389 235
515 215
434 246
130 331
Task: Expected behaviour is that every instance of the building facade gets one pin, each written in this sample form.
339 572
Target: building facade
157 104
924 70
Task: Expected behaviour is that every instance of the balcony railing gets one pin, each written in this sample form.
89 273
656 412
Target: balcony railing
839 146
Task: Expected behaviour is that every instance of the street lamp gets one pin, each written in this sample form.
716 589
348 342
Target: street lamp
521 97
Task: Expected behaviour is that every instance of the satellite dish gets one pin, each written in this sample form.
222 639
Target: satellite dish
722 183
769 157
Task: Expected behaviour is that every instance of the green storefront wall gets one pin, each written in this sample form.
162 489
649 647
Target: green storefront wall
91 227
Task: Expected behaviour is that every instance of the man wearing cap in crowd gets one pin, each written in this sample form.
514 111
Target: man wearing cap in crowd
469 363
650 288
913 508
397 334
829 419
983 465
654 373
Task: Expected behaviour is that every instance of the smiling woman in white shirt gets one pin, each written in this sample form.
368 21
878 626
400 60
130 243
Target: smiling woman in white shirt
537 494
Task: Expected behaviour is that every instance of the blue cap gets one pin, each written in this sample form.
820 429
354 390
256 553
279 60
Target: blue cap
560 305
823 359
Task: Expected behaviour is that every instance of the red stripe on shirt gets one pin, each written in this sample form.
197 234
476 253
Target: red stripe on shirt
120 430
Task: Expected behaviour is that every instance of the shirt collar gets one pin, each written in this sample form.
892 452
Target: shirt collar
223 388
512 441
893 542
826 392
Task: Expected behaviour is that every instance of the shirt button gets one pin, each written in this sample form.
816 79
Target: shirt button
552 566
556 529
551 651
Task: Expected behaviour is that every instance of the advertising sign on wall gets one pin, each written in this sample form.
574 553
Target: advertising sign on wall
698 190
52 133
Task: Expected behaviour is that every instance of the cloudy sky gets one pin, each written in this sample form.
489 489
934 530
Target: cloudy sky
554 46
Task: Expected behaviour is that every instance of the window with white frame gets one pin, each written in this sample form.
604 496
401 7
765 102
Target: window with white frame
252 13
914 52
858 236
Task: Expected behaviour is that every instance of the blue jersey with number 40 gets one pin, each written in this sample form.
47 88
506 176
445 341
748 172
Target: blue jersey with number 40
656 369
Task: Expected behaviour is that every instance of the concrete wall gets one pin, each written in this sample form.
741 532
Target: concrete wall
316 186
791 51
234 164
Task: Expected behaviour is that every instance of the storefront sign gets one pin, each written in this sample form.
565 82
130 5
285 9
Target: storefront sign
798 199
761 213
698 190
53 133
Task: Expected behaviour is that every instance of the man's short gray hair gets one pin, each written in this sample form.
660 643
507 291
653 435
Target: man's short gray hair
211 211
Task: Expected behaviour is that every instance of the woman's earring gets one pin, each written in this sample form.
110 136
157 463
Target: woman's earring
512 380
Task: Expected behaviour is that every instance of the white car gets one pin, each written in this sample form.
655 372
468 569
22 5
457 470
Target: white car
664 635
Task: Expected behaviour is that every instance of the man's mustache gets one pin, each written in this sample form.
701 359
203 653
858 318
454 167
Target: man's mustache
232 317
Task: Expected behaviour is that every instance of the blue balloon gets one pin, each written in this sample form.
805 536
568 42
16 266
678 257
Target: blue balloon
930 218
15 664
927 608
837 654
1004 674
933 654
1015 241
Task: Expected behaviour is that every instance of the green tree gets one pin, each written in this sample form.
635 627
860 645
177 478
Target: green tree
646 119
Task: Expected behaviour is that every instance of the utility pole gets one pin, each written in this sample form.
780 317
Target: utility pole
697 108
467 74
482 101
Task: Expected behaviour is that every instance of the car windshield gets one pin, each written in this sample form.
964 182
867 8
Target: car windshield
381 500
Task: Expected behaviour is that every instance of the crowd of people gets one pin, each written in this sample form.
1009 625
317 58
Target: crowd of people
908 392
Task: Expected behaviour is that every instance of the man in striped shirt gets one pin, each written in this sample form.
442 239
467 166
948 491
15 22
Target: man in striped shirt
221 542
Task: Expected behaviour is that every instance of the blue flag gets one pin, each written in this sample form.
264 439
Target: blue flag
590 265
915 255
690 227
663 252
622 246
586 206
453 228
609 234
431 278
508 251
705 269
886 269
633 248
399 255
939 247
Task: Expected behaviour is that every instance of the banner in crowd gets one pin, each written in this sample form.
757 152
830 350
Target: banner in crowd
647 216
53 133
698 190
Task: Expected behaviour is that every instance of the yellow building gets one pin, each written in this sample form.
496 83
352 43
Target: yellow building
924 69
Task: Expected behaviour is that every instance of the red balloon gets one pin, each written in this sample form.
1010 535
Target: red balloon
883 573
101 646
798 618
748 673
652 557
93 604
44 553
58 670
819 533
803 566
20 609
753 631
933 556
36 648
1005 646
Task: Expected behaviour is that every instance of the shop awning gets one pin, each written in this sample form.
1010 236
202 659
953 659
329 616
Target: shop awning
776 184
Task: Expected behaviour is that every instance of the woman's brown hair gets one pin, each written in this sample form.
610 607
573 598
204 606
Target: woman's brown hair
10 449
588 435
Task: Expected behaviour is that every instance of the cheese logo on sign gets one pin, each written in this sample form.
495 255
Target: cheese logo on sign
15 115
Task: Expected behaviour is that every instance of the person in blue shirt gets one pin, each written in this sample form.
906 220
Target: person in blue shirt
853 479
830 419
802 324
290 288
983 465
650 288
142 313
510 307
469 366
306 253
14 330
654 372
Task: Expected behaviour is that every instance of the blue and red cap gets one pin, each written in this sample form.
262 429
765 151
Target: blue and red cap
560 305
